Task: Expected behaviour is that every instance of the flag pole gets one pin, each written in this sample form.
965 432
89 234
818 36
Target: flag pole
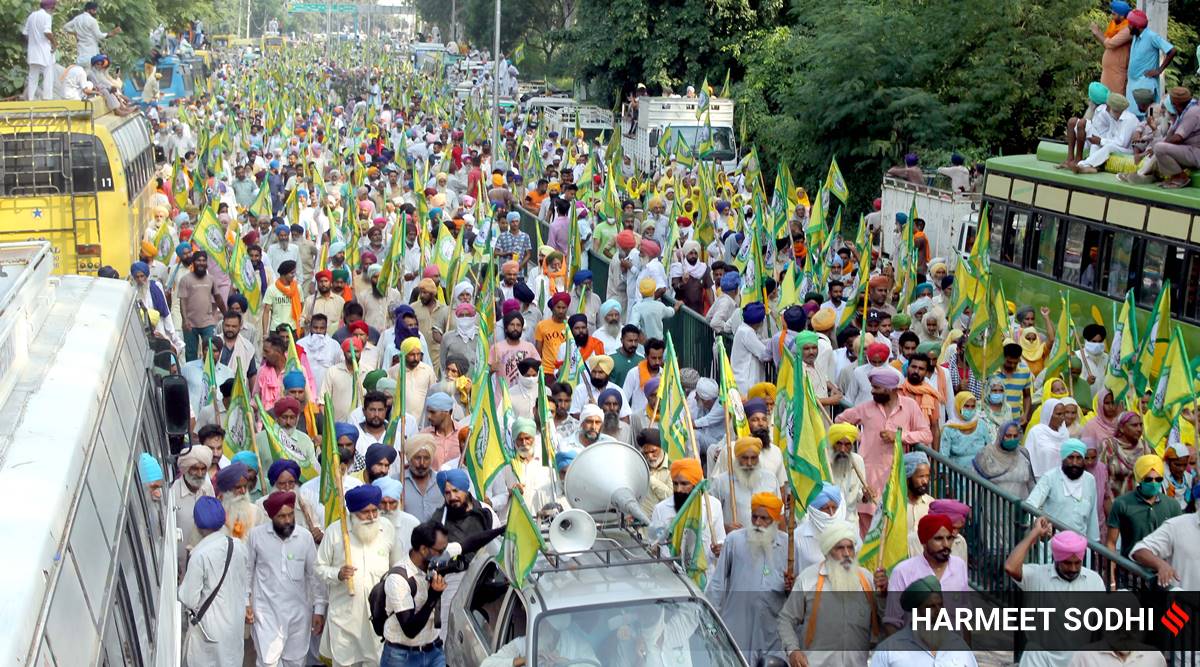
345 528
791 530
729 457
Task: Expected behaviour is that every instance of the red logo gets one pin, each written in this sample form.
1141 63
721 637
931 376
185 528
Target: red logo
1174 618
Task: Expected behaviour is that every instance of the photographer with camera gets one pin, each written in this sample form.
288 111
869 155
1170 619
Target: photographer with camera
413 592
469 524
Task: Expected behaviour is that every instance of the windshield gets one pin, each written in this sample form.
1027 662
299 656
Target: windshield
650 632
697 135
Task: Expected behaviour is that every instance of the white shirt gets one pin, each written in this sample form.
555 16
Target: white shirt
1043 579
749 353
87 34
903 650
285 592
74 82
1177 541
1115 133
38 50
664 513
400 598
217 640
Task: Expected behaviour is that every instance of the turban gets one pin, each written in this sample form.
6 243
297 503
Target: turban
688 468
626 240
1117 102
363 496
651 387
182 248
927 287
768 501
609 306
601 362
1141 97
421 442
646 286
878 281
1120 7
208 514
919 591
930 524
839 431
911 461
884 378
582 277
648 247
1066 544
747 443
836 533
386 385
326 274
425 284
824 319
341 274
390 488
901 320
148 250
1072 446
524 425
281 466
794 318
1177 450
829 493
560 297
690 247
590 410
763 390
929 346
510 265
247 458
410 345
283 229
378 452
456 478
607 394
139 267
277 501
345 430
688 377
358 327
372 379
957 511
149 469
1145 464
730 281
878 352
575 319
754 313
523 293
367 258
707 389
755 406
293 380
352 342
285 404
230 476
807 338
439 400
563 459
464 310
1137 19
195 454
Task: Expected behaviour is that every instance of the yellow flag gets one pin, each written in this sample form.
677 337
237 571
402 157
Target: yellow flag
886 543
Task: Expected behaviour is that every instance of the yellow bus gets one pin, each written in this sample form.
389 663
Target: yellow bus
78 176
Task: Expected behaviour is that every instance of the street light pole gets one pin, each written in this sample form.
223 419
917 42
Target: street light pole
496 88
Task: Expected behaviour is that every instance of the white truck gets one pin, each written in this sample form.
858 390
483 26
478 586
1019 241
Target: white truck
592 119
950 217
640 133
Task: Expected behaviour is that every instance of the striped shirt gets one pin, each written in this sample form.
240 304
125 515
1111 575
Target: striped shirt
1015 385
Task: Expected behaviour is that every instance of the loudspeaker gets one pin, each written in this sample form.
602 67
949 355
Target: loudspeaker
176 411
609 475
572 531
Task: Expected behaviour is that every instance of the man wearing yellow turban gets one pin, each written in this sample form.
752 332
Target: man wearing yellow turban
1136 514
748 478
846 467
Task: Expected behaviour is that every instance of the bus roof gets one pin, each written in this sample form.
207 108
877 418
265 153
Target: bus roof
1041 166
43 109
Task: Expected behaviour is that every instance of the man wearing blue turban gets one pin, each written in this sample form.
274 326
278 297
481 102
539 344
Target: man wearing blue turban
721 314
749 351
217 639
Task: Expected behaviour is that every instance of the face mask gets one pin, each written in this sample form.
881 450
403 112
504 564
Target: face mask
527 382
996 397
1072 472
968 414
1094 348
1149 489
1010 444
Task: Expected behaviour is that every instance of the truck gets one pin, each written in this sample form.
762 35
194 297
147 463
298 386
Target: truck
641 131
592 119
950 217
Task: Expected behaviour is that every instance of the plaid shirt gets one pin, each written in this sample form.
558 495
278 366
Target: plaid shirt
509 245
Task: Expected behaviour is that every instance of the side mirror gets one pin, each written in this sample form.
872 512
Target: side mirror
653 138
176 410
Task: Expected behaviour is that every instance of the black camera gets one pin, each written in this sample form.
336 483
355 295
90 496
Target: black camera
445 564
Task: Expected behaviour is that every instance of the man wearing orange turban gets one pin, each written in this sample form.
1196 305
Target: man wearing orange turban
686 473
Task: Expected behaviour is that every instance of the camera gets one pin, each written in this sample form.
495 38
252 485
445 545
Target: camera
445 564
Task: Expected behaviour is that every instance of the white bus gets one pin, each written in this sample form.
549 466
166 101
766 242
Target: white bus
88 567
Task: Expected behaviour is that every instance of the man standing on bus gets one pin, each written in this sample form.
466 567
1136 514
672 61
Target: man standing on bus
39 53
87 33
200 303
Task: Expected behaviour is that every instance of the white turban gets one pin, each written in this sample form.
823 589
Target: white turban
195 454
835 533
707 389
590 410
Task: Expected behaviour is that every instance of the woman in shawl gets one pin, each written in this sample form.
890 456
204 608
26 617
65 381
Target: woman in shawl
1071 417
1091 463
1005 463
1103 424
1044 440
954 358
933 326
1120 452
1033 349
964 437
996 410
1053 388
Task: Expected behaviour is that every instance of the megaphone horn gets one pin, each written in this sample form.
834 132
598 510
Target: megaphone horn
572 531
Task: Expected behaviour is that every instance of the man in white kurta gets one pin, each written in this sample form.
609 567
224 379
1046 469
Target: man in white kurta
751 580
685 475
749 478
285 592
749 351
348 639
216 641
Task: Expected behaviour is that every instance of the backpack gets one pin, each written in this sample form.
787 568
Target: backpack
377 598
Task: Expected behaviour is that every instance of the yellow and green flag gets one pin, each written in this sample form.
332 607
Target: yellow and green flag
673 424
835 183
886 543
1156 341
210 236
486 454
731 399
1059 362
1173 392
522 541
280 446
245 277
807 458
331 469
239 421
687 535
1121 356
261 206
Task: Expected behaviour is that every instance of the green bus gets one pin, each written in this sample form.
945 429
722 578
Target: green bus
1096 237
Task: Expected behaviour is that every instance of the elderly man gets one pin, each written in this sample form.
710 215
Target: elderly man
613 426
916 475
936 560
825 510
708 415
880 418
608 326
295 443
1180 151
747 478
691 278
419 377
1065 575
422 498
402 522
752 579
858 389
233 491
825 630
685 475
591 424
1109 131
650 442
846 467
1068 493
527 474
348 639
215 638
287 602
758 420
192 484
921 647
599 373
284 475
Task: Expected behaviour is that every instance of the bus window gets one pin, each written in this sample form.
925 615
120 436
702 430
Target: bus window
36 164
1072 265
1119 257
119 650
1046 243
1154 256
1174 272
1191 298
1013 251
996 220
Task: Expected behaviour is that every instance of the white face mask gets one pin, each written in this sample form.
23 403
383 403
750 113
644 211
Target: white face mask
529 383
1094 348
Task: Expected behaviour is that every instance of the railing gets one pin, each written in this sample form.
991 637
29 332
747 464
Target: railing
1000 520
690 333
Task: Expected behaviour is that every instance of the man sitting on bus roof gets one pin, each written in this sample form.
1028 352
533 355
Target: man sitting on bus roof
1109 131
1180 151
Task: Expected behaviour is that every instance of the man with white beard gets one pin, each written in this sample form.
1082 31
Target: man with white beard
287 603
402 522
215 640
749 478
349 639
233 491
822 630
825 510
526 474
751 580
846 467
609 331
